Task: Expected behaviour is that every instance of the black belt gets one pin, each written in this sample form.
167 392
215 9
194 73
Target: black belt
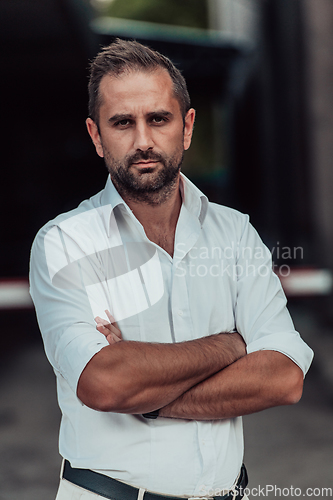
108 487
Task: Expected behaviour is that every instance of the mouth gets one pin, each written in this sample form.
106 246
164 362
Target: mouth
145 163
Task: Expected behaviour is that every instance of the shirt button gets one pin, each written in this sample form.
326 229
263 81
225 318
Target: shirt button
180 312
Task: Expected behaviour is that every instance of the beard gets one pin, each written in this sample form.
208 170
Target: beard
151 185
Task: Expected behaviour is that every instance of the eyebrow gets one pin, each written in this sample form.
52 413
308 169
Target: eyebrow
129 116
120 116
160 112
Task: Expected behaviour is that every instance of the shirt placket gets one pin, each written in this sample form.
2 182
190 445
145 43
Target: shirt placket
208 456
189 229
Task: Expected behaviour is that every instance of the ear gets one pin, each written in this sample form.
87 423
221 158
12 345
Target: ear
95 137
188 128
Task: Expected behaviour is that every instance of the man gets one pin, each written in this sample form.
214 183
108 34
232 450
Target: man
160 313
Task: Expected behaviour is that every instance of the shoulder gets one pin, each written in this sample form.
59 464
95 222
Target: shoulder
227 219
91 204
226 212
75 219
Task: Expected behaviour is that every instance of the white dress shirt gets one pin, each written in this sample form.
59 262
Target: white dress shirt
220 279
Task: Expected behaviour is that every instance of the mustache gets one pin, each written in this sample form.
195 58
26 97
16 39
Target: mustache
144 155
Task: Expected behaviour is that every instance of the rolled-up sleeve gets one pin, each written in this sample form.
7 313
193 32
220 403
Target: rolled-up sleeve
261 313
64 315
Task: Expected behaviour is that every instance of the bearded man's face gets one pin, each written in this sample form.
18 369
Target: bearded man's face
141 134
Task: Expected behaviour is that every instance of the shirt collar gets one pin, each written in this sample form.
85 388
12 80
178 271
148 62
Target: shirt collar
110 195
193 199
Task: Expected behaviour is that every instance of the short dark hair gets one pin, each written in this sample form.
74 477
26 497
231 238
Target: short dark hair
122 56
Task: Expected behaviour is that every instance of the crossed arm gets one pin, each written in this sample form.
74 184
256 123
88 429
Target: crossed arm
202 379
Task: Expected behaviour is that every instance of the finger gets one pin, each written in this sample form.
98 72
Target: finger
112 339
111 318
116 338
103 329
102 321
109 315
110 333
115 331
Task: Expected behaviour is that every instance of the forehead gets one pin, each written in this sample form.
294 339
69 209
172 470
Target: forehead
138 90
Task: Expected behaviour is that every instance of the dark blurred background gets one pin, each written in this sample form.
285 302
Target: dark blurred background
260 75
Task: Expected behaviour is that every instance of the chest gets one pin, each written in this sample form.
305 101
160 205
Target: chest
164 239
186 301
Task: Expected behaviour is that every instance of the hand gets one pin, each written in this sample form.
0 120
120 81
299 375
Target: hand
109 330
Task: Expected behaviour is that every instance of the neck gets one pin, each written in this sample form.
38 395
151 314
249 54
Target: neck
158 214
158 209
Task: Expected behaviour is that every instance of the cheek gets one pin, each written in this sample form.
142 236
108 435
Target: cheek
181 143
117 149
173 142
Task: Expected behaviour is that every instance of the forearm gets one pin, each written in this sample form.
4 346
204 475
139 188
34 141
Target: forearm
137 377
255 382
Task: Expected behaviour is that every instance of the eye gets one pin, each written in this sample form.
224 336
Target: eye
123 123
158 119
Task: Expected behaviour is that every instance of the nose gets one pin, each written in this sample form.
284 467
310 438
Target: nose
143 137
